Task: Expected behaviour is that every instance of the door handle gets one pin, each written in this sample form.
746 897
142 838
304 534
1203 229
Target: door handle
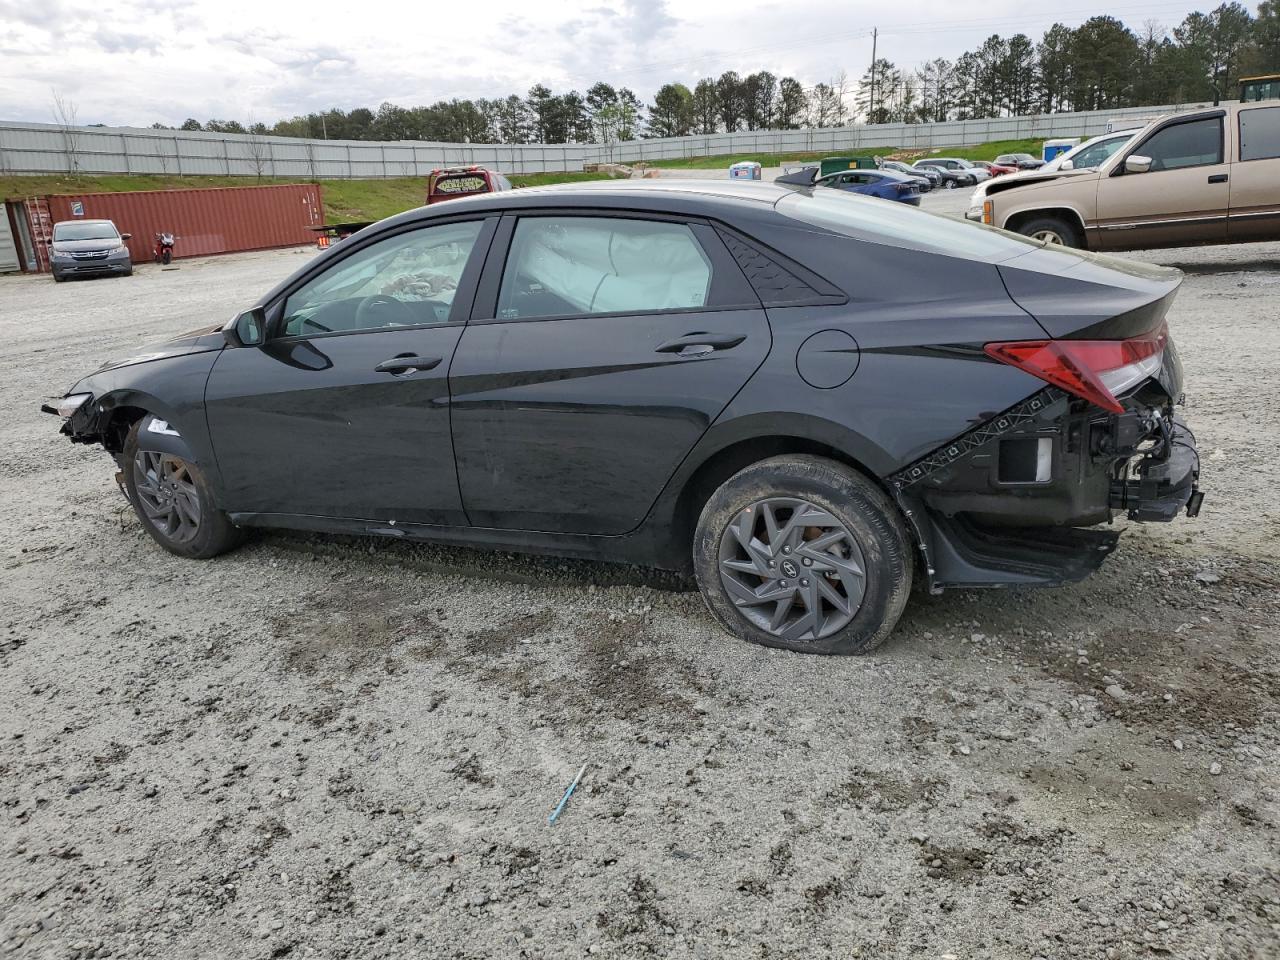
1218 178
697 344
407 363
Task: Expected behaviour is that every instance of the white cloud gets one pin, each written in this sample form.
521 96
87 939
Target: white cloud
242 58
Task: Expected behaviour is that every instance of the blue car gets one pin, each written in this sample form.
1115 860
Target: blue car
886 184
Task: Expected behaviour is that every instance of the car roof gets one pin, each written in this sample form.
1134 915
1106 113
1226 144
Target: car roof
82 220
665 195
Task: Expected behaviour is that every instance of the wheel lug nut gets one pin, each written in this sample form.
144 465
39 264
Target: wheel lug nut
807 562
786 549
782 583
804 583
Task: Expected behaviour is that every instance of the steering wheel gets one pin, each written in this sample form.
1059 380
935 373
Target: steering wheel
399 314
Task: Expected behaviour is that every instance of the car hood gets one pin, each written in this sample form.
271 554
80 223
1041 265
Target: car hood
76 246
196 341
1026 178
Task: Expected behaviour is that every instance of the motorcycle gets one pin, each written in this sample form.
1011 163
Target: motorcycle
164 248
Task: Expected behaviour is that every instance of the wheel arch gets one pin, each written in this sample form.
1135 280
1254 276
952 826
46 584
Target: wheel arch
1070 214
723 454
121 409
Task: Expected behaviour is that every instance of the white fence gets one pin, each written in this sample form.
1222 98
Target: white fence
48 148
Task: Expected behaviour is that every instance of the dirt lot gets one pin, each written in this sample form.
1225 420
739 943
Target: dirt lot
316 747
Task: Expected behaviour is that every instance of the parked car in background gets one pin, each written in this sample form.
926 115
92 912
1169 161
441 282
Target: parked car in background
885 184
962 173
1023 161
995 169
803 397
1205 176
88 248
449 183
1088 155
929 174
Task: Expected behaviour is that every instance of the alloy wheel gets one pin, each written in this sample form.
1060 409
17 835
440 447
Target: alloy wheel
1048 236
792 568
167 494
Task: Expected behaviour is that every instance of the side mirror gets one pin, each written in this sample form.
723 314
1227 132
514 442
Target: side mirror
249 329
126 236
1066 165
1136 164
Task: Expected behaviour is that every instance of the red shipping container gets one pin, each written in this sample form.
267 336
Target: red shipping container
204 221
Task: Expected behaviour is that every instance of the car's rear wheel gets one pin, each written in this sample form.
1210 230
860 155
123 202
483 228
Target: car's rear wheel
804 553
1052 230
172 499
949 184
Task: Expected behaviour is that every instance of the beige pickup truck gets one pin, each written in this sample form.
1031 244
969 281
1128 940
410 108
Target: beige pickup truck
1206 176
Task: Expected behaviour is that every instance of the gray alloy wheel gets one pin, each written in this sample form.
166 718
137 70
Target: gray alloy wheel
792 569
167 495
950 184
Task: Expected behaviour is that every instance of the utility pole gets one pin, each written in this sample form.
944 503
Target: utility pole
871 112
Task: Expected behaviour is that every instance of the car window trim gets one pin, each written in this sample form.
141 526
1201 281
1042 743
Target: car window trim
485 306
1220 115
458 313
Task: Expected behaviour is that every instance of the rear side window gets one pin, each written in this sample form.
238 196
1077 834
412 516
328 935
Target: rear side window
1260 133
900 225
569 266
1197 143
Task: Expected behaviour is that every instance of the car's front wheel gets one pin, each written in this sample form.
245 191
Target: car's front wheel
1051 230
172 499
804 553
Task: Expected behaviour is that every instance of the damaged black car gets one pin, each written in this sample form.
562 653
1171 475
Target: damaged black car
805 398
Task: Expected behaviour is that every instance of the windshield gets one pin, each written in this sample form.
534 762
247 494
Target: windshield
85 231
899 225
965 163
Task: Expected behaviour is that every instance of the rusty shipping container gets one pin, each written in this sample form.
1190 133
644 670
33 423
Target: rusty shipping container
204 221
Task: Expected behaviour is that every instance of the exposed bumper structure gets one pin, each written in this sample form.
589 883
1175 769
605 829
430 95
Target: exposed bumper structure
1007 503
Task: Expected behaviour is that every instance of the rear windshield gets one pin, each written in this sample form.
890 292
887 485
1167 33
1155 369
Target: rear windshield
460 184
85 231
899 225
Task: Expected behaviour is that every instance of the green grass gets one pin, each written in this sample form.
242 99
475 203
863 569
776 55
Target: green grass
344 200
983 151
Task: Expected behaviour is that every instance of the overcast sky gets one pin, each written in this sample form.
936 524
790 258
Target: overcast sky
138 63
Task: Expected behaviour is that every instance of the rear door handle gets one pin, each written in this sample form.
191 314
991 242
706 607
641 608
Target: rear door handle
697 344
1218 178
407 363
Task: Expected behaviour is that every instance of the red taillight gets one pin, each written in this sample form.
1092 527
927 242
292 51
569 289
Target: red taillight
1095 370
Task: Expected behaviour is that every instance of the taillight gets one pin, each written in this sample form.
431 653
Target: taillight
1094 370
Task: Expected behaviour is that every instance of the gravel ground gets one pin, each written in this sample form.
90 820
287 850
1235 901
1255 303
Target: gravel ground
336 748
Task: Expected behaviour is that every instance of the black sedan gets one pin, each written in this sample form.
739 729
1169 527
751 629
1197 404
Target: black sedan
806 398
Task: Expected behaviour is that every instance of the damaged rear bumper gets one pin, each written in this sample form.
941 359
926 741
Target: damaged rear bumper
1009 502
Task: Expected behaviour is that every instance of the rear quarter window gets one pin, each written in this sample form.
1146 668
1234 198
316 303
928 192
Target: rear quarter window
900 225
1260 133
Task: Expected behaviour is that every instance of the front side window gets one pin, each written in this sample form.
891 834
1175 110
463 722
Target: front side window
569 266
406 280
1260 134
1197 143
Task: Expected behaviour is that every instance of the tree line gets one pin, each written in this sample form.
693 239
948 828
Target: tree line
1100 64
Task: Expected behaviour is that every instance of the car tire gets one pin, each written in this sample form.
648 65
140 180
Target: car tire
173 501
855 541
58 279
1052 230
949 184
